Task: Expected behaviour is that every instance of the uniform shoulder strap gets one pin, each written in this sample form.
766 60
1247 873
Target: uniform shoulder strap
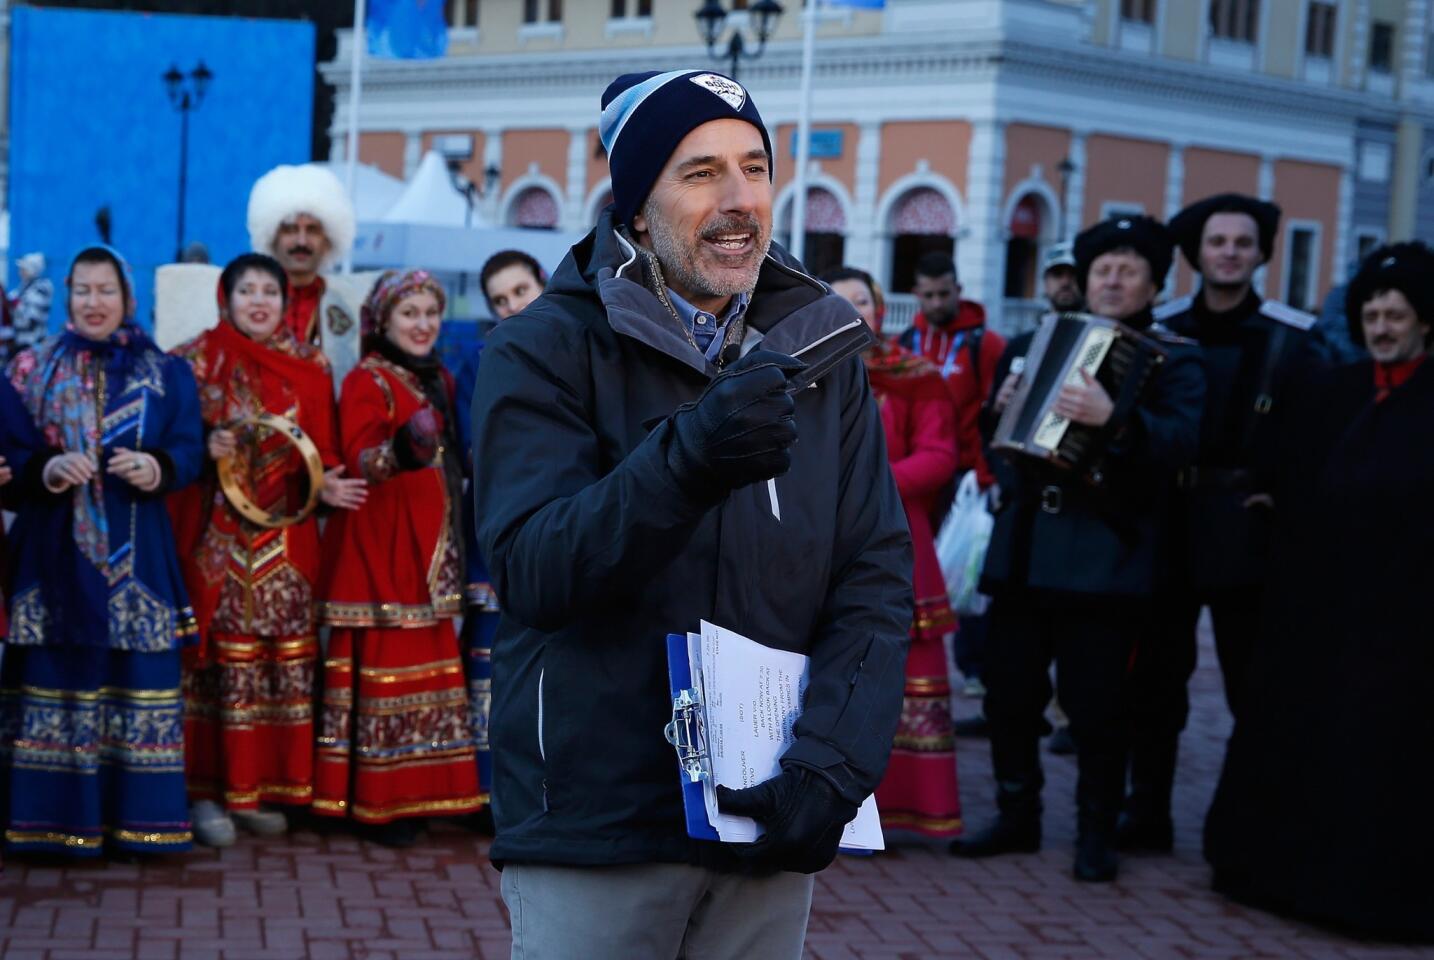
1160 332
1288 315
1173 308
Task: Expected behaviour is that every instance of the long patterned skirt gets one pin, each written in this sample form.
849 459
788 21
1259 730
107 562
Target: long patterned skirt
92 751
249 720
479 626
395 739
918 793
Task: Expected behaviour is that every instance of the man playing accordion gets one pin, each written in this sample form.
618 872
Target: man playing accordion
1075 555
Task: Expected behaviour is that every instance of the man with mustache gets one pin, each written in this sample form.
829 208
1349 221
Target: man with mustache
1323 806
1076 556
638 470
302 217
1252 349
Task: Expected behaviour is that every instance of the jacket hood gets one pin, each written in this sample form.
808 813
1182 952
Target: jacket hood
969 315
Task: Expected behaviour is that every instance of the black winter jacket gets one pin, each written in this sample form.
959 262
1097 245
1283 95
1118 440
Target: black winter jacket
1252 355
596 555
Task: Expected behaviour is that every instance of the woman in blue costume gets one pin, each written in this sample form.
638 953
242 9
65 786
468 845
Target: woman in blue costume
480 610
18 442
511 279
91 725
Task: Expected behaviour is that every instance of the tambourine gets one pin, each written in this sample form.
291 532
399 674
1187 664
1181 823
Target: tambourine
247 508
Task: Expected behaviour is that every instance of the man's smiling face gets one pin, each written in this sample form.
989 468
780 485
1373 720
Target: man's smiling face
709 216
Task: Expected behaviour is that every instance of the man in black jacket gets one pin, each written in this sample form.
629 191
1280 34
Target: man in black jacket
680 429
1074 557
1252 349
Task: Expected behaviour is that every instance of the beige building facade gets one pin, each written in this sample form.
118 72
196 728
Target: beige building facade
989 128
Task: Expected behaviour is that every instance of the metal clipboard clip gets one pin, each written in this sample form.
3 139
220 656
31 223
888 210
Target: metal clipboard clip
688 735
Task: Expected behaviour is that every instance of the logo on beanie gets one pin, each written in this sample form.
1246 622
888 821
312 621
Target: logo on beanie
729 90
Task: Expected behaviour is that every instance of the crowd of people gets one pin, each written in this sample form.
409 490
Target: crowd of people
164 677
237 568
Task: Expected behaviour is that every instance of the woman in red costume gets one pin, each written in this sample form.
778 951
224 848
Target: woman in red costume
249 683
395 743
918 793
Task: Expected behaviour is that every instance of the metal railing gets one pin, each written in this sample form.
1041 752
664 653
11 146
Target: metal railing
1013 316
901 310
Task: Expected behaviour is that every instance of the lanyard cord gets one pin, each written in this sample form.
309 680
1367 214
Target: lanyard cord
948 363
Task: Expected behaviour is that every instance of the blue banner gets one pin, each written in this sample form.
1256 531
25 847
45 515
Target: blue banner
88 77
864 4
406 29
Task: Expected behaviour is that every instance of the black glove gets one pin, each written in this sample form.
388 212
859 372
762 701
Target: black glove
803 814
416 442
740 430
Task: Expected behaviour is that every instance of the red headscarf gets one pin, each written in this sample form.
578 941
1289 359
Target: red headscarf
277 361
244 377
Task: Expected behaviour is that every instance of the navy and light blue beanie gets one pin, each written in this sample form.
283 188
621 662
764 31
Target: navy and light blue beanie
646 115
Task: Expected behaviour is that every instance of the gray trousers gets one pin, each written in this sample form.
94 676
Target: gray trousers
654 911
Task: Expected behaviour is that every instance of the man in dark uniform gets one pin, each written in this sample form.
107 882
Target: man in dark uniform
1323 805
1072 565
1251 348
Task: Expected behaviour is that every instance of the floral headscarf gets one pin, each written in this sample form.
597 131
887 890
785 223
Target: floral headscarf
392 287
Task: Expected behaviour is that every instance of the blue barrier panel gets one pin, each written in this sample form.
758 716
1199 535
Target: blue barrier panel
91 126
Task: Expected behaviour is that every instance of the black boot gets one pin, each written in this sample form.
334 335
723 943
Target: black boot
1098 793
1062 742
398 834
1017 827
1096 861
1145 823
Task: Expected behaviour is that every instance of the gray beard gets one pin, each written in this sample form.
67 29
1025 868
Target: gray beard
678 258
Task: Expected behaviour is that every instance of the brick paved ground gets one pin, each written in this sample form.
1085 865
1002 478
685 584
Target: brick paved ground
334 898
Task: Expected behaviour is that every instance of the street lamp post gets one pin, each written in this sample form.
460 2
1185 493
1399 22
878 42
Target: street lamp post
1065 168
184 97
712 17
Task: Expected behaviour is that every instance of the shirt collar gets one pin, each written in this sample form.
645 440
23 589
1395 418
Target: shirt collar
689 314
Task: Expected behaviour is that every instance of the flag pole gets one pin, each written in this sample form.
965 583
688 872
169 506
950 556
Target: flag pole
360 43
804 133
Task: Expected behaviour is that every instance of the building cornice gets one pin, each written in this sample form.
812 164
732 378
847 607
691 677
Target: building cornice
887 61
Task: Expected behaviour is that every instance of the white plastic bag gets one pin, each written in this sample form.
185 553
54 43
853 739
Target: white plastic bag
961 547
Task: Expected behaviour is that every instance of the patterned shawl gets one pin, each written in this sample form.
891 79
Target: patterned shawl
66 382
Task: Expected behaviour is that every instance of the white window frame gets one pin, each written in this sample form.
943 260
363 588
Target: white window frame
1120 208
1319 69
542 30
1380 159
1234 54
628 26
1316 228
1375 233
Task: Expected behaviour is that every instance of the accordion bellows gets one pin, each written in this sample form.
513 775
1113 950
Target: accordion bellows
1119 358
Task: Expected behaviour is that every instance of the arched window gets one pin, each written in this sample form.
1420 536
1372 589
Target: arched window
922 221
601 204
1029 224
535 208
825 230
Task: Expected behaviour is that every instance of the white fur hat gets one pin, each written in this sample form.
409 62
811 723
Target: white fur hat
287 191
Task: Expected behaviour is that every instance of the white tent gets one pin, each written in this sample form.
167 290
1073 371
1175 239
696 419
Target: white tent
452 249
430 198
375 192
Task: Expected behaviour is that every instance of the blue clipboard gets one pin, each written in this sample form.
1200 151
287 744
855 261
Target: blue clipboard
686 734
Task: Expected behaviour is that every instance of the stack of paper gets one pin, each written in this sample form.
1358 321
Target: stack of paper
751 696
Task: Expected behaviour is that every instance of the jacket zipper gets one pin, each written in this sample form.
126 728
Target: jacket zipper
542 753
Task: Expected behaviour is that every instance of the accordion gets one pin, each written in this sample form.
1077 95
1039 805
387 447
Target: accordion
1066 345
